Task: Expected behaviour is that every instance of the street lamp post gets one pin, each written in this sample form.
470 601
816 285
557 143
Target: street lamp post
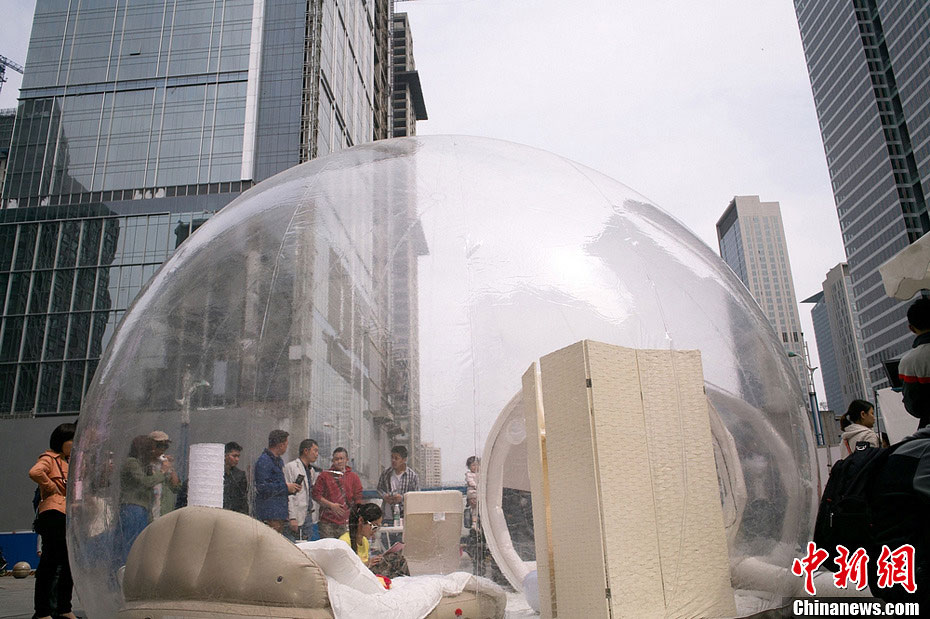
812 395
186 405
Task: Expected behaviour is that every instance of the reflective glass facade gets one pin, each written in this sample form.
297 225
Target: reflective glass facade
833 392
7 118
67 275
119 96
138 121
870 77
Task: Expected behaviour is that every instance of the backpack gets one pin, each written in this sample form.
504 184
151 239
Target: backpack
844 517
36 499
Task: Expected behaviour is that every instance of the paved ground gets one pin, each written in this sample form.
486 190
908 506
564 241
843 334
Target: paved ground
16 598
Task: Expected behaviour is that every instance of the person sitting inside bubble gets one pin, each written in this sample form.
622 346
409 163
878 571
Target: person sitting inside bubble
364 522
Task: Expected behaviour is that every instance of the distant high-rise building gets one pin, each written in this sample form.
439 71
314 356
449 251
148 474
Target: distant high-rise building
407 106
848 348
839 343
430 463
868 70
752 241
833 391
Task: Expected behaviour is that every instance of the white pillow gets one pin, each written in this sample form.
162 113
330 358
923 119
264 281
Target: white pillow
338 562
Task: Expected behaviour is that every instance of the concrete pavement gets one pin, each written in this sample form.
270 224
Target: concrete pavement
16 598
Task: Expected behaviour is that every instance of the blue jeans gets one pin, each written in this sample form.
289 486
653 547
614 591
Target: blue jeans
310 531
132 519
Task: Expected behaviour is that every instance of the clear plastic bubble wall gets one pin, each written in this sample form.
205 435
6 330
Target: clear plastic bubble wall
394 293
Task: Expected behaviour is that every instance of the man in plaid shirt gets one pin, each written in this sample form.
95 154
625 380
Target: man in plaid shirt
396 481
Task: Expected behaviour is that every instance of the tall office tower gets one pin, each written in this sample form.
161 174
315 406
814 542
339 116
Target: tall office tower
139 121
839 341
868 73
407 107
833 392
430 470
752 241
848 347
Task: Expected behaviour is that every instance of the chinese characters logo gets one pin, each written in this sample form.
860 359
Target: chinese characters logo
892 568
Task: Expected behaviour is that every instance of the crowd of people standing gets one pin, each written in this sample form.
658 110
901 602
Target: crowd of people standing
298 499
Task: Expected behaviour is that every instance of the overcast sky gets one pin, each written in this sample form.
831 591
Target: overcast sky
689 103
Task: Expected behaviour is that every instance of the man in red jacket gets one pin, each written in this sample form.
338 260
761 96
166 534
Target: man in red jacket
337 490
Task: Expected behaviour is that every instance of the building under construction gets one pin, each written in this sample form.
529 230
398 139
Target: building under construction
155 116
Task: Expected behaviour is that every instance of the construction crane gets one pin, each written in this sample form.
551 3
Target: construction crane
4 63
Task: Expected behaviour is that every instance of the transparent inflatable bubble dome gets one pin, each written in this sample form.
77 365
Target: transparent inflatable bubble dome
394 294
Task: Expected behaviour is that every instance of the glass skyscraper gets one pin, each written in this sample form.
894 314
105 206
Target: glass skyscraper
839 343
869 65
136 123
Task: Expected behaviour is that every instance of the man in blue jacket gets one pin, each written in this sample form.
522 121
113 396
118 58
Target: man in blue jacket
271 489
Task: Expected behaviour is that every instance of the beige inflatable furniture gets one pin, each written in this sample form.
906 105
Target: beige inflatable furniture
433 531
209 562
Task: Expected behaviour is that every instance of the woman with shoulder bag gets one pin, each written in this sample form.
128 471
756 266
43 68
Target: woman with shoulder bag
53 576
857 425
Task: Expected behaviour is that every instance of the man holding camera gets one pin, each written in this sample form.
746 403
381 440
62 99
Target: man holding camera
300 506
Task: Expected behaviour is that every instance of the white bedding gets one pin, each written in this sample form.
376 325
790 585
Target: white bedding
356 593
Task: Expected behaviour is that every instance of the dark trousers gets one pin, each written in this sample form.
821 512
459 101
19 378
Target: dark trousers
331 529
53 576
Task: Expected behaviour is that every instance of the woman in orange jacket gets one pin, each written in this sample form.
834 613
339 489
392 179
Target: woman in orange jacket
51 473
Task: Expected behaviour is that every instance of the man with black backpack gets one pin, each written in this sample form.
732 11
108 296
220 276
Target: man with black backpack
878 500
900 503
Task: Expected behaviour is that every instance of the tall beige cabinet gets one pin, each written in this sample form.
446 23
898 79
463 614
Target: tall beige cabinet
624 463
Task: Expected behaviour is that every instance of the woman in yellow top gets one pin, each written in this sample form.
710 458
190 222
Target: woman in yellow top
53 576
364 522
